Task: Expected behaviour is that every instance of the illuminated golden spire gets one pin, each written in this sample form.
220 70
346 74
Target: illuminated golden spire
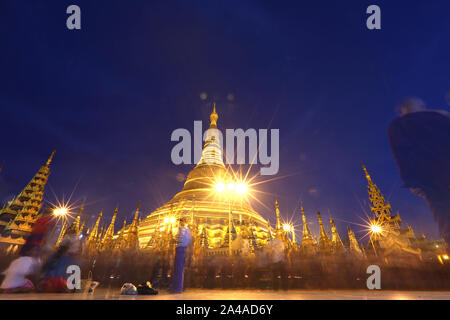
308 240
62 233
81 210
277 211
335 238
109 234
119 243
367 174
75 226
204 243
379 207
92 236
353 243
47 164
18 217
213 118
82 226
324 240
132 241
212 149
306 231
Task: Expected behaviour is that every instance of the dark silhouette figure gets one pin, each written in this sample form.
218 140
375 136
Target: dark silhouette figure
420 143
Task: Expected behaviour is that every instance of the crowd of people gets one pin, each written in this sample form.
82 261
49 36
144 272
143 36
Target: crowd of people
40 260
40 268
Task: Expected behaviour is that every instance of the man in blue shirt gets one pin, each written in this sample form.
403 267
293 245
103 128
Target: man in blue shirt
183 241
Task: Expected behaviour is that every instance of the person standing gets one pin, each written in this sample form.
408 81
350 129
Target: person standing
16 280
183 241
420 143
278 263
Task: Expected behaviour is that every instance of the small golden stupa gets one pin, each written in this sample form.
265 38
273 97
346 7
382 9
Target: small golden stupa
212 200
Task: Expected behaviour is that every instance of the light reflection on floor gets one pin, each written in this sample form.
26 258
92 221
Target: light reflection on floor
199 294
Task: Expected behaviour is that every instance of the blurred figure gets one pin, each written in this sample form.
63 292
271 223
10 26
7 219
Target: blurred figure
278 263
183 241
40 232
15 276
30 253
55 268
420 143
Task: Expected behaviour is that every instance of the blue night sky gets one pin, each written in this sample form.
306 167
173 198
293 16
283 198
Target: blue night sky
108 96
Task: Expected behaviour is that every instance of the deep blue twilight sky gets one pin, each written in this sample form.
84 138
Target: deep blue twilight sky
107 97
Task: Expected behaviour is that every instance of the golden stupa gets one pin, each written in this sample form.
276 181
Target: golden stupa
211 209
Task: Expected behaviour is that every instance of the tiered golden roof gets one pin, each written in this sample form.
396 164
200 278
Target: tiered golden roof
18 217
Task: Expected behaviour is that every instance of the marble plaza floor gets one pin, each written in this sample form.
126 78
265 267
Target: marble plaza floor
199 294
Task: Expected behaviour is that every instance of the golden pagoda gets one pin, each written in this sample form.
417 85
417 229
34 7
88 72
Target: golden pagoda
336 241
91 240
107 242
325 244
386 232
205 202
353 245
309 244
19 215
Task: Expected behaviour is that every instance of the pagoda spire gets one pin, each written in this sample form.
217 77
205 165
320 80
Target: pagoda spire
335 238
76 224
294 241
213 117
119 243
204 243
307 237
212 149
82 226
253 242
353 243
132 241
324 240
109 234
49 160
61 233
93 234
380 208
19 215
227 234
277 211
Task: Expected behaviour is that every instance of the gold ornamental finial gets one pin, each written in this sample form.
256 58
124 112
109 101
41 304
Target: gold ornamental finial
213 117
366 173
303 214
277 211
136 215
50 158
